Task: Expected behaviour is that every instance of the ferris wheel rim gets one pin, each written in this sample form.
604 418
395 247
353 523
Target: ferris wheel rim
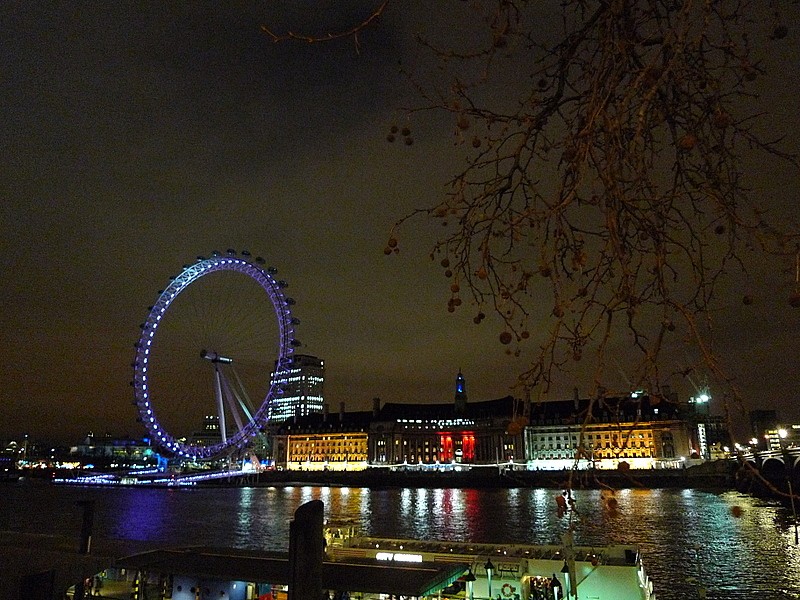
264 277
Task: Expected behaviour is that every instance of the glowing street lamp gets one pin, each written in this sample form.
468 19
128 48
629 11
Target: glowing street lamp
555 584
470 579
489 571
565 571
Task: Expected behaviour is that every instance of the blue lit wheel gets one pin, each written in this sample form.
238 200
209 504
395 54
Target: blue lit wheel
206 351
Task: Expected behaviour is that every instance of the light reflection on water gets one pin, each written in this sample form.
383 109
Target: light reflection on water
683 533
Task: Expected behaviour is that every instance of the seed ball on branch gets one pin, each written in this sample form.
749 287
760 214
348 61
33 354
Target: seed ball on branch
392 243
794 300
506 337
687 142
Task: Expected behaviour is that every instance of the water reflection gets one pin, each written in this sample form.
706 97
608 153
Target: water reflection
690 538
141 515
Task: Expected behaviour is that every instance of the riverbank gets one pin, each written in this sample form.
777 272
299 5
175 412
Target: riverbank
710 475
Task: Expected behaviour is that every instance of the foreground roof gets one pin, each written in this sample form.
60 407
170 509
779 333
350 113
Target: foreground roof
418 579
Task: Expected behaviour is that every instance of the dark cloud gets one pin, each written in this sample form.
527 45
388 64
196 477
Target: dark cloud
136 136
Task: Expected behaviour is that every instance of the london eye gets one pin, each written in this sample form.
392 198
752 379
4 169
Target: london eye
207 348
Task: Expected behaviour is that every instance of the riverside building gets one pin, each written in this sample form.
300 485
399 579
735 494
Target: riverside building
639 431
642 431
322 442
301 383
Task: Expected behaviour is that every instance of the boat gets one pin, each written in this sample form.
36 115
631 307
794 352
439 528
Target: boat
507 571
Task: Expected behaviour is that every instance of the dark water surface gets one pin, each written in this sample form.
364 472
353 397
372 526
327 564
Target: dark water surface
683 534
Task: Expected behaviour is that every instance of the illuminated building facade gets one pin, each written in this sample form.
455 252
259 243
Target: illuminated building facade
640 431
320 441
710 437
762 422
106 452
208 434
447 434
302 382
403 435
437 434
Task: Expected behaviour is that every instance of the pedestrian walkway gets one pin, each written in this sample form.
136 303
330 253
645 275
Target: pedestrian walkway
108 589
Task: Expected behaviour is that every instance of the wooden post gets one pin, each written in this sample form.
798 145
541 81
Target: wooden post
306 550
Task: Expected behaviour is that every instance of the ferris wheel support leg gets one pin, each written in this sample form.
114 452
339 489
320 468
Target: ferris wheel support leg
220 406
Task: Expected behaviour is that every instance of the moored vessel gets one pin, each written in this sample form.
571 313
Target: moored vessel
508 571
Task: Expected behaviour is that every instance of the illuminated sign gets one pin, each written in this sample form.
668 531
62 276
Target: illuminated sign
701 436
399 557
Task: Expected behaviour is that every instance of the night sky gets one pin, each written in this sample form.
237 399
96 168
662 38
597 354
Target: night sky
136 136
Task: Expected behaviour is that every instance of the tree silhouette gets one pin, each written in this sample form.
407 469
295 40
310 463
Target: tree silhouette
608 179
606 176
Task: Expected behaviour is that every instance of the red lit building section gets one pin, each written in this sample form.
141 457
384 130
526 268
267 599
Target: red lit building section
464 441
445 447
468 446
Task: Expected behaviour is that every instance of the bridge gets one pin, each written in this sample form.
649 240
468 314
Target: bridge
156 478
779 469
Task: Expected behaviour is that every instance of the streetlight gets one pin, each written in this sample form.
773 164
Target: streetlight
489 570
789 472
470 579
555 584
565 571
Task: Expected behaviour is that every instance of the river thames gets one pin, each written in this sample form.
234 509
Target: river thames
736 546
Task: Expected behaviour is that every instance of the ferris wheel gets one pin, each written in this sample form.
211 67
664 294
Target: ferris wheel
201 374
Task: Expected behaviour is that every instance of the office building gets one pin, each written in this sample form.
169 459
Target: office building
300 385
